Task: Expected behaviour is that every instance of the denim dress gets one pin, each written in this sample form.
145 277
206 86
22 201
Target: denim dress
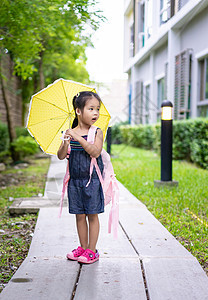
82 199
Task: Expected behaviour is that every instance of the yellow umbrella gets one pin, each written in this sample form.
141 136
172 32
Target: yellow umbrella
51 112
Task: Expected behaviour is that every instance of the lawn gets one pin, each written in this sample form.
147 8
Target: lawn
183 210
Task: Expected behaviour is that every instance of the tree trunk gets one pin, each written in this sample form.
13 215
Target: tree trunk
41 75
25 87
10 123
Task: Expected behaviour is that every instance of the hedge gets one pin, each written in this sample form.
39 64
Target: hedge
190 139
24 143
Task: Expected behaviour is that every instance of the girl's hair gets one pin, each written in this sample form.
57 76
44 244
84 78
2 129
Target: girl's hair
80 100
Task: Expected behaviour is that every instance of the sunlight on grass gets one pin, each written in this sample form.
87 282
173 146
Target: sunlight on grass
171 206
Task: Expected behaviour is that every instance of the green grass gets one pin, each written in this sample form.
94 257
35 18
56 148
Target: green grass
31 182
183 210
15 243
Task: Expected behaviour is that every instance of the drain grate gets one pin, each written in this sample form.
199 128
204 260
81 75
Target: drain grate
21 280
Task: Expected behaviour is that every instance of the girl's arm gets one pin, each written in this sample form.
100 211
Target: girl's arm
93 150
63 149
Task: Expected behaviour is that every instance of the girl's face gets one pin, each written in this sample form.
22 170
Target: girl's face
90 113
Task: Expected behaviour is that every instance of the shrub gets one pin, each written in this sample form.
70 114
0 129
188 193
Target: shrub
25 146
116 136
4 138
190 139
139 135
157 142
22 131
182 136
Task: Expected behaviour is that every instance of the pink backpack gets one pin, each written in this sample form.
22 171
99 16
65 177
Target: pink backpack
108 181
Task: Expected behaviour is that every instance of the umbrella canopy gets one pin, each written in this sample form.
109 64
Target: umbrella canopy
51 112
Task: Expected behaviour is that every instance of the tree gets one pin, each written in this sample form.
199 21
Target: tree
35 32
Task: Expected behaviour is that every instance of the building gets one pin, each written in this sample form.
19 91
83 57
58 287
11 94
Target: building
166 57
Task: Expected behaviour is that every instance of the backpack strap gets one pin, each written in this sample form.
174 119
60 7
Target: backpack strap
113 220
91 138
91 134
92 164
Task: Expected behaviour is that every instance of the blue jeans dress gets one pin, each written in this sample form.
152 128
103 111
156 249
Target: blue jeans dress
82 199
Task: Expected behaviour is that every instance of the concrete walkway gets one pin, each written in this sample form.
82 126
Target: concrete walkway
146 262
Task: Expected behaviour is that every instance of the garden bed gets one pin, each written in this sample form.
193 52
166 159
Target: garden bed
23 180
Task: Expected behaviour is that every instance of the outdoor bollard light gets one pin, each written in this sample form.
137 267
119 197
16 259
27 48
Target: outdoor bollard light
109 140
166 144
166 140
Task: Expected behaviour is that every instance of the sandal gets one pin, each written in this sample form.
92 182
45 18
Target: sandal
74 255
88 257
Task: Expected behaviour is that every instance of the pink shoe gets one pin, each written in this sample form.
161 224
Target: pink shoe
88 257
74 255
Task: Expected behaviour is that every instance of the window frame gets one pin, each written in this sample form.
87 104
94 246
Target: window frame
202 102
165 9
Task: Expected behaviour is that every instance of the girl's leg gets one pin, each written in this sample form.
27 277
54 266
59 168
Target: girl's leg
94 227
82 230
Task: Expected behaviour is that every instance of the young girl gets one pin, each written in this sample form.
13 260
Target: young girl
85 202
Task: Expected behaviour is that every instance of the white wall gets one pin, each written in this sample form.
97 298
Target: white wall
142 71
161 57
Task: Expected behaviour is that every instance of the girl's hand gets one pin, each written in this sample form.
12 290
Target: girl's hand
67 137
72 134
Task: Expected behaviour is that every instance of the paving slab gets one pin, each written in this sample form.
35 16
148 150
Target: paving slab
42 278
52 275
175 279
148 235
111 278
171 271
110 247
32 205
53 236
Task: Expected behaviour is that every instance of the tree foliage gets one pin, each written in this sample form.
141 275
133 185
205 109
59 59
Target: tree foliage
45 40
29 28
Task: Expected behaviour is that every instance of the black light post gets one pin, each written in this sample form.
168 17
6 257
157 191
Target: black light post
166 144
109 140
166 140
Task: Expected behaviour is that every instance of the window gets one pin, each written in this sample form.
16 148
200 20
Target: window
204 79
149 18
168 8
182 88
141 25
178 4
160 95
165 11
203 111
131 45
203 93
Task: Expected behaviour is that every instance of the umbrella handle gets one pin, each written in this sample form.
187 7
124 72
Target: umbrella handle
62 138
65 139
